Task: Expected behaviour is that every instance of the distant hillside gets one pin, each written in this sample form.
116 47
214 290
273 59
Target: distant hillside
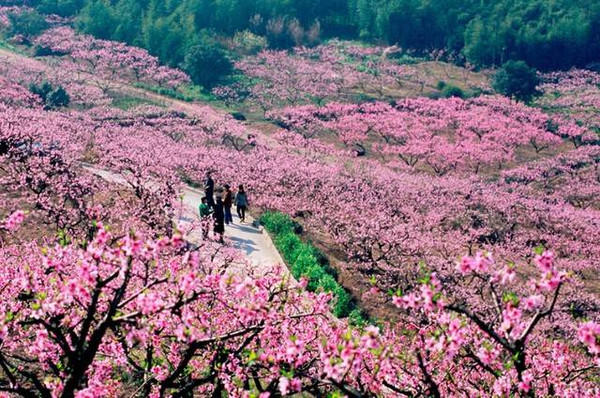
554 34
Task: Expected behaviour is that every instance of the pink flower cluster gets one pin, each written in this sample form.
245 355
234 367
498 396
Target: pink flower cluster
445 135
109 60
589 334
480 263
13 221
424 299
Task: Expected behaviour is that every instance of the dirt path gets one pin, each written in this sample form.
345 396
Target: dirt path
247 237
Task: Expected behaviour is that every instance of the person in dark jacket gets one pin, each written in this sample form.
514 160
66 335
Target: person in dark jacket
227 203
209 190
219 219
241 203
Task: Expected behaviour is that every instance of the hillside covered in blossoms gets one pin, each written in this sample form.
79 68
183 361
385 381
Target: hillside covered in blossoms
434 205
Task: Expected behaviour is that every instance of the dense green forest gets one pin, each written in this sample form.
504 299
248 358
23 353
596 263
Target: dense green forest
547 34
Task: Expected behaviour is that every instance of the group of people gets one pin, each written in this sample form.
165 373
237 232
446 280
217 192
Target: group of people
219 206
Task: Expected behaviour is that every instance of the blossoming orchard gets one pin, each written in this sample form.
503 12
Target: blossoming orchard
465 229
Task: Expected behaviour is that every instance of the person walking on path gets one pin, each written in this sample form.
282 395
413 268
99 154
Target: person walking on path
227 203
209 190
219 219
241 203
205 213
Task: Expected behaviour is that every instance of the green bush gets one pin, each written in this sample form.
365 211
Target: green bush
287 245
187 93
52 97
248 43
434 95
405 59
206 63
277 223
327 284
301 260
238 116
64 8
40 51
342 302
452 91
515 79
324 263
28 23
357 318
58 98
41 90
312 272
306 261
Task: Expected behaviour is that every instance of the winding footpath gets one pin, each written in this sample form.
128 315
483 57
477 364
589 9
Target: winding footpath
249 238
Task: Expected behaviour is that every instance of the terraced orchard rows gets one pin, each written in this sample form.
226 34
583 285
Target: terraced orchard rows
475 221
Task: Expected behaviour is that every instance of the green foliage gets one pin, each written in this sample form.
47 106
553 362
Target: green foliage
516 80
187 93
288 243
449 90
481 46
405 59
58 98
97 19
39 51
342 302
306 261
168 38
28 23
276 223
126 102
238 116
52 97
206 63
41 90
546 34
357 318
63 8
248 43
